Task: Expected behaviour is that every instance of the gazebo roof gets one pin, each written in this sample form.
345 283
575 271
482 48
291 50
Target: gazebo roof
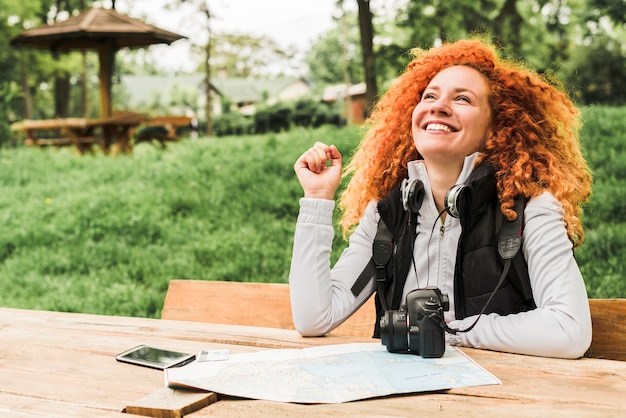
93 29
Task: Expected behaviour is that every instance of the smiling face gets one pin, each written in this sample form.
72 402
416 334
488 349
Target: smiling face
452 120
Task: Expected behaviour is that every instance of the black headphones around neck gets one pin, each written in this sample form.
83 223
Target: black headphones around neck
412 192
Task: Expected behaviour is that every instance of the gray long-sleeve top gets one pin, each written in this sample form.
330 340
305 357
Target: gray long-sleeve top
560 326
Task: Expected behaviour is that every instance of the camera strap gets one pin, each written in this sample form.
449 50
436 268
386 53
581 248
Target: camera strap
509 244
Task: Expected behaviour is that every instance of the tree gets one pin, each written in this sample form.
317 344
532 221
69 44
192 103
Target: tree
366 29
550 35
245 56
202 7
325 66
434 21
507 25
51 10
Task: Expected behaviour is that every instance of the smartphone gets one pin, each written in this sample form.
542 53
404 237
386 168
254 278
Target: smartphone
155 358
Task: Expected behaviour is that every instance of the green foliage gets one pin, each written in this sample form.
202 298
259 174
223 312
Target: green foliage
278 117
232 123
336 53
273 118
311 113
105 234
244 55
596 72
601 257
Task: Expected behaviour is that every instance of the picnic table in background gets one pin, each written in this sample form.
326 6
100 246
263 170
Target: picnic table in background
80 132
113 134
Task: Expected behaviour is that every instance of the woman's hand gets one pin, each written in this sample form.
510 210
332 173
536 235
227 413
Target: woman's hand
319 179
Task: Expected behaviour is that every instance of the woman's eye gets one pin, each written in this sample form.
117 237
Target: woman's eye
428 96
463 99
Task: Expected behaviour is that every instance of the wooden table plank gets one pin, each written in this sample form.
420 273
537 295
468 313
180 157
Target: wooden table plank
71 357
24 407
440 405
528 378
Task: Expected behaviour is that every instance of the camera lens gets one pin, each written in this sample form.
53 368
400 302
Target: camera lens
393 331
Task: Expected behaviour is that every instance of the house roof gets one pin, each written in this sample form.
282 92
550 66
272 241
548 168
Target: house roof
245 90
339 91
144 89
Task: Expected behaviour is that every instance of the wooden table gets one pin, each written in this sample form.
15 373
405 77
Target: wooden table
62 364
111 134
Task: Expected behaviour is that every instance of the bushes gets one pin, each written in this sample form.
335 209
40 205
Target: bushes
601 257
278 117
232 123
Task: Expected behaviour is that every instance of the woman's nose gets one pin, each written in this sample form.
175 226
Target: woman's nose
440 107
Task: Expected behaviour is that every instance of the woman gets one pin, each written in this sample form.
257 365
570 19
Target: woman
456 108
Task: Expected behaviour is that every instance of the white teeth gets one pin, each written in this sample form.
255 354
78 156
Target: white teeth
438 127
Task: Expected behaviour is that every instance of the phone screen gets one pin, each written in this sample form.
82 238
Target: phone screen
156 358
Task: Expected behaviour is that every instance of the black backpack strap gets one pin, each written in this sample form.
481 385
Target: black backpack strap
509 247
510 240
382 250
368 272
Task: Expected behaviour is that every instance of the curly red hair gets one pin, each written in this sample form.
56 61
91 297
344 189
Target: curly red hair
535 146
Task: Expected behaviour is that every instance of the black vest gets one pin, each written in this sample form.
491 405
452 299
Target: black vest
478 264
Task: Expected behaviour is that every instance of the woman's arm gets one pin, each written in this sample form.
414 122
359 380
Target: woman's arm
560 326
321 298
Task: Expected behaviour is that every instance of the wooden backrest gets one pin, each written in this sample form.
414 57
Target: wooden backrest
176 120
252 304
608 319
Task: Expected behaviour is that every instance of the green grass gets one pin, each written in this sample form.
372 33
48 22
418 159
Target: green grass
103 234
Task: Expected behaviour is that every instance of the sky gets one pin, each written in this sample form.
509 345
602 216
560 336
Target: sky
289 22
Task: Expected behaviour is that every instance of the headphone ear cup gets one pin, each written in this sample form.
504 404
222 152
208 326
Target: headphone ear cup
451 200
412 195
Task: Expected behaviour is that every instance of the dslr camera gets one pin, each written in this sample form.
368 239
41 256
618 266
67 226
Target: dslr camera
418 327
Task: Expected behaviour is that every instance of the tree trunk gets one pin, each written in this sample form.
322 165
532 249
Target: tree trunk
84 81
61 92
84 95
367 45
61 96
28 98
508 26
207 82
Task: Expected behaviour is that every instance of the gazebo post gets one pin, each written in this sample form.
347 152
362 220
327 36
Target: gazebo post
106 58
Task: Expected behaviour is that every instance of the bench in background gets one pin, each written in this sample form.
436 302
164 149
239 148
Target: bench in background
79 132
248 303
268 305
608 318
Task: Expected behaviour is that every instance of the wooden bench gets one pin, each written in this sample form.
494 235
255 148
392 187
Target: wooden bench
253 304
161 129
60 132
608 318
268 305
